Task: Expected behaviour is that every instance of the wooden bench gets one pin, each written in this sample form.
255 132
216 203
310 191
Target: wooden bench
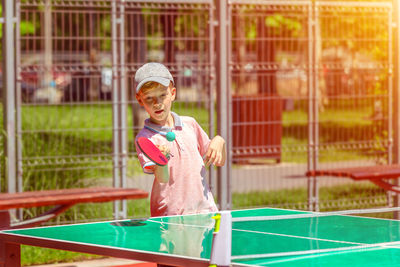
61 199
379 175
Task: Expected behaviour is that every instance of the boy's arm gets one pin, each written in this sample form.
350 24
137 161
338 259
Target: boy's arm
161 173
216 153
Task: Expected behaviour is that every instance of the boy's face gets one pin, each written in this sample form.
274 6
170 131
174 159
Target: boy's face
157 102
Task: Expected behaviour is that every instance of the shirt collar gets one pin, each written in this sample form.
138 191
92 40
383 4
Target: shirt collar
165 129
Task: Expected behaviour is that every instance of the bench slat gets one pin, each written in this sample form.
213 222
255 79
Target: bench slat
361 173
67 196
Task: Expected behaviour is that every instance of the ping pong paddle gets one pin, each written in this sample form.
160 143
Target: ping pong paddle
151 151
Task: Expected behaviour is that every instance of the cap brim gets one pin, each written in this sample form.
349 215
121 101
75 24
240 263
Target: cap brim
160 80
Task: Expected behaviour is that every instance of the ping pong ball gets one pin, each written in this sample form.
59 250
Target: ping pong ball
170 136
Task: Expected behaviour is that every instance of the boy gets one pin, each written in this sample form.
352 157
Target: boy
179 187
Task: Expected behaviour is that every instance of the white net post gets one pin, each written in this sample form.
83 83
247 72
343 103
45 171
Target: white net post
222 240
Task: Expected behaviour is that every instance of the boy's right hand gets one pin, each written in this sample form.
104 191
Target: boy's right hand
165 150
162 172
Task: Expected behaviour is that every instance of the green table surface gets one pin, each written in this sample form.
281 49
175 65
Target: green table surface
347 240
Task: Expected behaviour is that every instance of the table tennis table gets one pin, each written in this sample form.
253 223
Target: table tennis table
289 238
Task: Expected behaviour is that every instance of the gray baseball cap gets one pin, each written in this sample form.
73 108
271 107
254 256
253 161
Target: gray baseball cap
153 72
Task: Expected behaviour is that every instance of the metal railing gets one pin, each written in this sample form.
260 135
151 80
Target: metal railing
291 85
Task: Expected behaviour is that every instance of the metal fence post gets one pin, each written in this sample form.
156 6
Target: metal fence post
18 104
395 28
120 149
9 124
123 103
390 89
18 99
223 102
396 79
212 91
391 196
115 103
312 107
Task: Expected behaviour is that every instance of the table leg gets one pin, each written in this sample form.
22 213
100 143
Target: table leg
10 254
4 219
396 200
312 185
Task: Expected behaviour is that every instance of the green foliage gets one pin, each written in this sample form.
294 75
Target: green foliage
350 195
350 191
295 197
26 27
280 23
35 256
105 26
194 23
355 25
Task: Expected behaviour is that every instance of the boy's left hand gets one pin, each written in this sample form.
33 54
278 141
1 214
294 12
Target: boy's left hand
216 153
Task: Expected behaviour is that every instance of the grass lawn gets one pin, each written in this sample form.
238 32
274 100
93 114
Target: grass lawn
87 130
63 142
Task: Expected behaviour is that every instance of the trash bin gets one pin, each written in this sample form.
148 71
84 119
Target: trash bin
257 127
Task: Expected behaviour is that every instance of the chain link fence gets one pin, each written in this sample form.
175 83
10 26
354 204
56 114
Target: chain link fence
310 84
